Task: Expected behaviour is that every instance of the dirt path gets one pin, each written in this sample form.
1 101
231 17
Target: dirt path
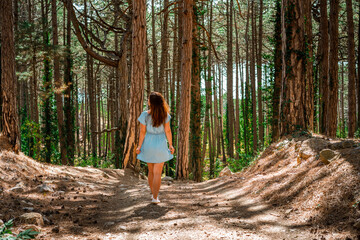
214 209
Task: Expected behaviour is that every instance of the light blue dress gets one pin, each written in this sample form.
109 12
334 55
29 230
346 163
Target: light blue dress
154 148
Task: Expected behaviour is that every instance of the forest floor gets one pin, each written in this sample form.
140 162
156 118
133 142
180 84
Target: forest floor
278 197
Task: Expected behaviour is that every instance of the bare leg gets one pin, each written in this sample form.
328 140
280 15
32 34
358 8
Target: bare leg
151 176
158 167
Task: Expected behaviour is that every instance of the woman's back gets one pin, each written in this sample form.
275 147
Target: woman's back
145 119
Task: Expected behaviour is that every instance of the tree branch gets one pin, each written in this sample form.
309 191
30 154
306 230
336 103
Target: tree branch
209 38
74 20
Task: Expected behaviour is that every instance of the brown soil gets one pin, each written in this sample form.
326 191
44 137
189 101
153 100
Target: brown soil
276 198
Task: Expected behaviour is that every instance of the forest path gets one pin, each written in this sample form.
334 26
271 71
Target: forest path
210 210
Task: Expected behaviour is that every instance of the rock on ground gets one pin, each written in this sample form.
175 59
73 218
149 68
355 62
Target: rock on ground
32 218
45 188
19 188
167 178
225 172
327 155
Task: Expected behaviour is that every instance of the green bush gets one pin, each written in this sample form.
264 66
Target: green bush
6 233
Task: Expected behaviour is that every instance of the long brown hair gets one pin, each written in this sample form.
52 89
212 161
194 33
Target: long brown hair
159 109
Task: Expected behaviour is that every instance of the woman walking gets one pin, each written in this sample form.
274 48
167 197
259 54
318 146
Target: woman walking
153 149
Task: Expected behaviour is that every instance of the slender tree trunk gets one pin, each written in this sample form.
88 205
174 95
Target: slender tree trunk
277 74
253 77
352 70
221 103
69 94
333 71
237 106
209 95
182 167
195 115
10 118
324 67
247 79
138 53
147 70
164 50
358 77
57 81
217 116
259 77
154 48
229 74
342 104
47 85
309 84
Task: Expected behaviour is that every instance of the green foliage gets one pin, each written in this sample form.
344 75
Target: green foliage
49 129
237 165
6 233
31 139
98 162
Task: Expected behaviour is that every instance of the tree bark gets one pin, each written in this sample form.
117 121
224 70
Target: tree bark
69 94
138 53
333 71
324 67
309 84
164 50
293 79
195 122
10 118
277 74
58 87
229 74
351 71
259 77
182 167
47 85
154 48
253 77
247 79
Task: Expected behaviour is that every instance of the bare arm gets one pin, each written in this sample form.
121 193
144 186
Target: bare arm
169 136
142 136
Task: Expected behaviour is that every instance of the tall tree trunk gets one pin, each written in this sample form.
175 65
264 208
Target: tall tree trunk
229 74
351 73
209 95
57 81
293 79
182 167
221 103
247 79
34 111
324 67
10 117
91 93
69 94
195 125
237 104
253 77
358 77
309 84
333 71
259 77
47 85
154 48
342 102
164 49
138 53
277 74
